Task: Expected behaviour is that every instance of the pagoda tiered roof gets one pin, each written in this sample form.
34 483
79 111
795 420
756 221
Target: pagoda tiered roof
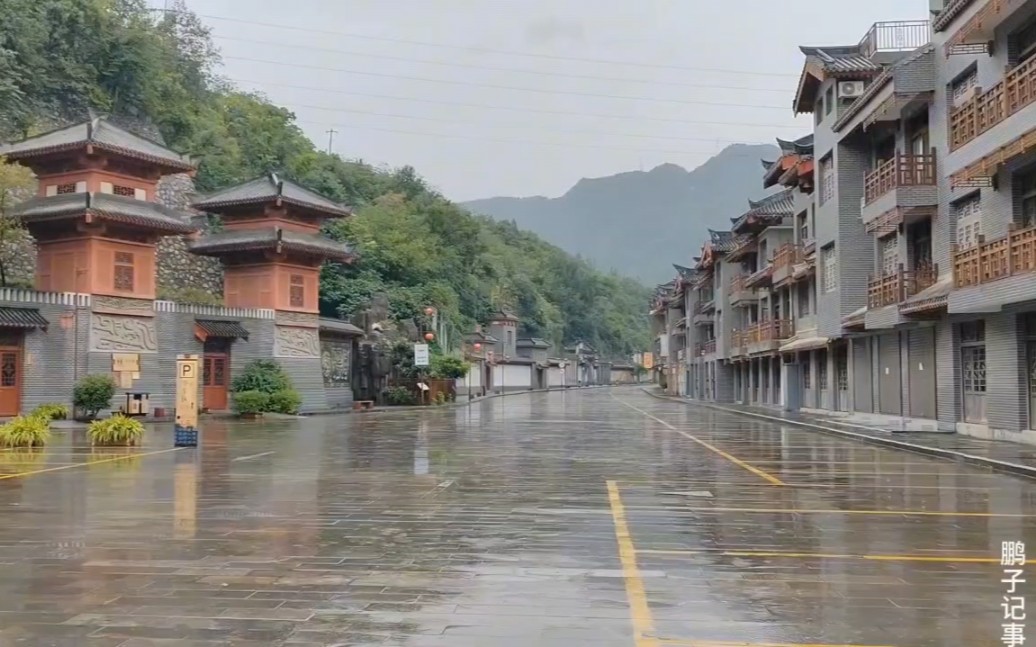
104 206
96 134
271 188
271 238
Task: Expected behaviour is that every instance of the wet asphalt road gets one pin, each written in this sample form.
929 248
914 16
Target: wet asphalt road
592 518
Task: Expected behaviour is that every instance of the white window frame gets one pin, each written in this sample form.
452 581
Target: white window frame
960 89
827 179
889 254
830 269
968 215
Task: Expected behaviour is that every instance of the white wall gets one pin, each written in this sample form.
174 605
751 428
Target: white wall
511 377
555 377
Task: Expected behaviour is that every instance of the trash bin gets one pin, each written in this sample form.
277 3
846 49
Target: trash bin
137 404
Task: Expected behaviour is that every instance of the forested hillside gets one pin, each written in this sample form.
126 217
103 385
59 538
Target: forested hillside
61 58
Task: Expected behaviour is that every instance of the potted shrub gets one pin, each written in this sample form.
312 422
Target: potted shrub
52 411
25 431
285 401
93 393
117 431
251 404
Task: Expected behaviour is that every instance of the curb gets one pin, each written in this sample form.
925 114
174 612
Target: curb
945 454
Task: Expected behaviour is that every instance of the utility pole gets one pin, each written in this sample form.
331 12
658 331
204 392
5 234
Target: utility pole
330 139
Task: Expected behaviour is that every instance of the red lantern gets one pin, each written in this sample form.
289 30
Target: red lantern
429 311
478 346
429 336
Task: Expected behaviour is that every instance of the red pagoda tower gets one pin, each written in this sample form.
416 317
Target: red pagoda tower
95 219
271 245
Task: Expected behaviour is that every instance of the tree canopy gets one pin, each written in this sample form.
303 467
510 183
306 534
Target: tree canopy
59 58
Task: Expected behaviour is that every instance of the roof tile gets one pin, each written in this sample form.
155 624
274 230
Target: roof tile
268 188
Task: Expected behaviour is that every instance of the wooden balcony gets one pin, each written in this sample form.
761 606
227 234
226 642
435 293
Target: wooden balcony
902 170
740 292
739 343
761 278
709 347
787 255
987 109
766 336
896 287
773 330
784 260
993 260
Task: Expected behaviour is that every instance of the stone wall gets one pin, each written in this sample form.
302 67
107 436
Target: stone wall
178 269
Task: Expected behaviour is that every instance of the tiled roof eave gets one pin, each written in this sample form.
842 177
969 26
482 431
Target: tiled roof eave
218 204
951 11
184 165
113 216
217 248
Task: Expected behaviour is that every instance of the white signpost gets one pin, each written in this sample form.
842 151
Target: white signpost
420 354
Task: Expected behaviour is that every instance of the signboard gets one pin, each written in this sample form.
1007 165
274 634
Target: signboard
187 391
421 355
649 361
125 363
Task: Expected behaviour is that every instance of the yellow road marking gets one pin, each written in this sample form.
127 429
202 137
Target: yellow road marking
919 513
773 480
777 553
640 613
722 643
88 463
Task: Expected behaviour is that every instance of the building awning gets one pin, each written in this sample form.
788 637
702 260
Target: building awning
22 318
339 326
219 328
807 343
931 298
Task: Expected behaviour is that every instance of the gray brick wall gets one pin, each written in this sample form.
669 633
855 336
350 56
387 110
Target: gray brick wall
50 368
948 382
1006 402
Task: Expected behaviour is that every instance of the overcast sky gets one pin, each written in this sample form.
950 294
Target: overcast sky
492 97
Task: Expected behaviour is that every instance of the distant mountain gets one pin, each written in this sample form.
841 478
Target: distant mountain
639 223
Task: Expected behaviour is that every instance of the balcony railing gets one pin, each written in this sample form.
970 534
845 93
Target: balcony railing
987 109
738 283
898 36
897 286
773 330
759 278
901 170
709 347
989 261
786 256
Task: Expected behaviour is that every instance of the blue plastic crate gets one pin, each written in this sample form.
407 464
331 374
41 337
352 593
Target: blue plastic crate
185 437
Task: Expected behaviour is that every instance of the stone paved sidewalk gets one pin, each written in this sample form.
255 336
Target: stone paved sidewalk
1002 456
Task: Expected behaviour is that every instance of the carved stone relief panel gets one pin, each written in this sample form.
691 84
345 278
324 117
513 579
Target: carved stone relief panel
287 318
123 305
112 333
296 342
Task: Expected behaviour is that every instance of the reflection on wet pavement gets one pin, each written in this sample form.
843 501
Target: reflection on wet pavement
583 518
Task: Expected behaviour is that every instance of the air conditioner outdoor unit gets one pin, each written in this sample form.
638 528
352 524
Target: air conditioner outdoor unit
850 89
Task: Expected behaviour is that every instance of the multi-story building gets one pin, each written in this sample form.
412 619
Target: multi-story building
903 289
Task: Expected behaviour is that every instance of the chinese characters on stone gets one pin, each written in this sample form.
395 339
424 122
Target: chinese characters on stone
1012 559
